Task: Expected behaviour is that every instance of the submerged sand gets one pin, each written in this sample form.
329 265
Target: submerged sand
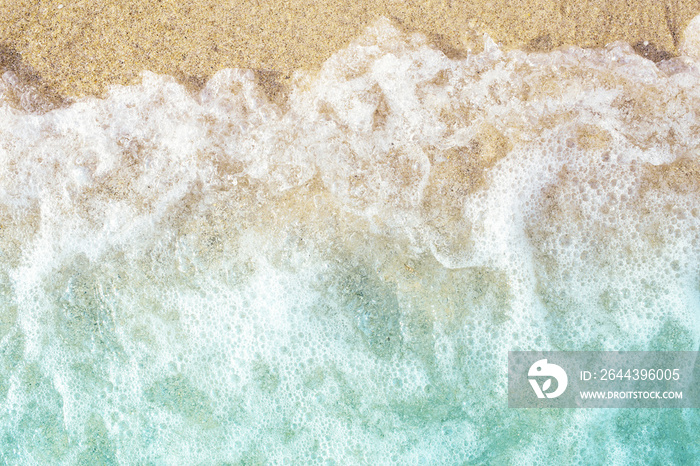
79 47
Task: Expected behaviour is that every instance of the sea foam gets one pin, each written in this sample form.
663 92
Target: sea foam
336 277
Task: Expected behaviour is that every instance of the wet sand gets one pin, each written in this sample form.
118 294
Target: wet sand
77 47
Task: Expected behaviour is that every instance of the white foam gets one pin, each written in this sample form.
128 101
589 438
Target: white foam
220 278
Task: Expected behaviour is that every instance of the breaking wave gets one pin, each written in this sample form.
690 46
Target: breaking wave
332 269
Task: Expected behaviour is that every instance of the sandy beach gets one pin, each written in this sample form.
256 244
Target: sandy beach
372 237
77 47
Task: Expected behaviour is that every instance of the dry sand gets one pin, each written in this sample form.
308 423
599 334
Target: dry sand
78 47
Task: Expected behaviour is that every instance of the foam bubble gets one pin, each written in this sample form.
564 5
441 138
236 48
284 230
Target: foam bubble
690 42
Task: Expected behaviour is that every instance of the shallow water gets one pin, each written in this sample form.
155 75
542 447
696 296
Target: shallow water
336 275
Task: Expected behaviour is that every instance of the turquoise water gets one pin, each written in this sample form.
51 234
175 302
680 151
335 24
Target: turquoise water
337 278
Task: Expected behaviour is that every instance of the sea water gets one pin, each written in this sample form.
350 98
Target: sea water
335 275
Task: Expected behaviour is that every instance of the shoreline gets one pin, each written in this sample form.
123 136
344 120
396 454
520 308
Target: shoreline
74 49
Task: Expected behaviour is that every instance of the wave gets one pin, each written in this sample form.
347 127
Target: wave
332 267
